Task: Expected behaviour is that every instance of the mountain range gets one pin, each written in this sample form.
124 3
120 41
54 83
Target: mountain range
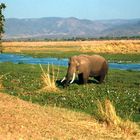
56 27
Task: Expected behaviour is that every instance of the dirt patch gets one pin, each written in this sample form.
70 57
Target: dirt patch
26 121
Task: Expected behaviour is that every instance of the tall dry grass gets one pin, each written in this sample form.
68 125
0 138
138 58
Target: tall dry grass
1 85
49 81
107 113
108 46
123 47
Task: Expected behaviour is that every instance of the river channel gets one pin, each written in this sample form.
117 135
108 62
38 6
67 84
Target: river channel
19 59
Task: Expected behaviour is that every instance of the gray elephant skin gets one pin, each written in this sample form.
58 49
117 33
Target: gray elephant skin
86 66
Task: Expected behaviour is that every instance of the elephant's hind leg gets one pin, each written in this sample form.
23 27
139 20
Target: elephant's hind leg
97 78
100 78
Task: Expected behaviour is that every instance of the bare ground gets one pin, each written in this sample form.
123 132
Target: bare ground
21 120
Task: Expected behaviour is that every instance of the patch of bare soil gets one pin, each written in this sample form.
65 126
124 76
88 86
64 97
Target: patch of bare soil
21 120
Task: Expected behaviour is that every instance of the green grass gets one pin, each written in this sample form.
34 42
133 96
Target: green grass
121 87
127 58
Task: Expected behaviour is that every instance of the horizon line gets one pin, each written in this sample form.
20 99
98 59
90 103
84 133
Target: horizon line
72 17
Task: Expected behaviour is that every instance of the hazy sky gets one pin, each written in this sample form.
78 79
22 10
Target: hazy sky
83 9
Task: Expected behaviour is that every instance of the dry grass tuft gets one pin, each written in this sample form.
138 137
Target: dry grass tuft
1 85
48 80
108 115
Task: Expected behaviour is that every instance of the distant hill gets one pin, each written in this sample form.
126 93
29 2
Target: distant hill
55 27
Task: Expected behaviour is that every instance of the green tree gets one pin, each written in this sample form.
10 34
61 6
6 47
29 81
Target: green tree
2 19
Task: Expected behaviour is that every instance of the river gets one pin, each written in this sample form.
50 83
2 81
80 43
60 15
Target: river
17 59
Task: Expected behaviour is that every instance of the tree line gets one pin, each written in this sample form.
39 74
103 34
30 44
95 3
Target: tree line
74 39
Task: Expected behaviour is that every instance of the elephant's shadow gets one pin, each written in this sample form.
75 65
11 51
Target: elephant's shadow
76 81
93 81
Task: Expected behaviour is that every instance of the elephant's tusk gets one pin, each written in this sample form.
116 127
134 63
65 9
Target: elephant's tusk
72 78
63 79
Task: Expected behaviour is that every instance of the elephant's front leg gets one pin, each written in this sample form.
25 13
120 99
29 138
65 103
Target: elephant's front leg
83 78
80 78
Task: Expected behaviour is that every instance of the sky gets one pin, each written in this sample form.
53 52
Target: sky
82 9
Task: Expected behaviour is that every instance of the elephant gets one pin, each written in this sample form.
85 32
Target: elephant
86 66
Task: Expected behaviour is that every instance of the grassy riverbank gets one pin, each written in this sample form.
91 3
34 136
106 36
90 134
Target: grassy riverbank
121 87
120 58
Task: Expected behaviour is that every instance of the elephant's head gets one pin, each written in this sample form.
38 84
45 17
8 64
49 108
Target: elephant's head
72 70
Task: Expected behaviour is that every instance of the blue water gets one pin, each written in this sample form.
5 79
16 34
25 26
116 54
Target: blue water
62 62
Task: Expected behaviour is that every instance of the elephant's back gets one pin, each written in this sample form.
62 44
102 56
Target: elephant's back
99 57
98 62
